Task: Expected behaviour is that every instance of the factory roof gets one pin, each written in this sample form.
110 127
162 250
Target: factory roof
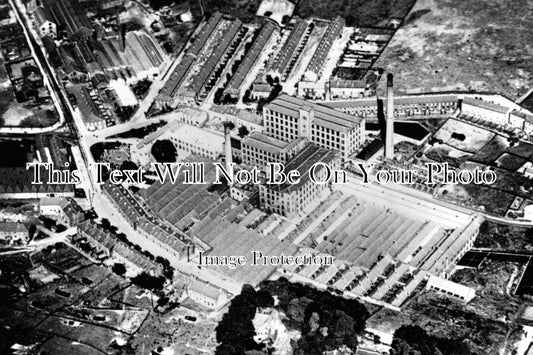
140 53
324 116
265 143
485 105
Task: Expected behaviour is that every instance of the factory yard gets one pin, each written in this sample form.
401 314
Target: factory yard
463 45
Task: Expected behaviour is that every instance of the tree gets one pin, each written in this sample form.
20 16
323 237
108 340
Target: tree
149 282
119 269
243 131
164 151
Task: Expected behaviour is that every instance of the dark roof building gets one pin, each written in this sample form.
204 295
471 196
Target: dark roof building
234 86
17 183
289 47
205 72
333 31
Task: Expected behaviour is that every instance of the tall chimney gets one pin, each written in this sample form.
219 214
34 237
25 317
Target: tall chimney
389 120
227 146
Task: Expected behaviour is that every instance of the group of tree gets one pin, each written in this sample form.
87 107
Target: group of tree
325 321
164 151
276 90
149 282
235 331
124 113
411 339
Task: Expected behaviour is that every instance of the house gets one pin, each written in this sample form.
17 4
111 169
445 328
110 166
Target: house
206 294
522 121
450 289
346 89
485 110
65 211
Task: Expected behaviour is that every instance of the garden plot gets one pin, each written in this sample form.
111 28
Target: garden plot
510 162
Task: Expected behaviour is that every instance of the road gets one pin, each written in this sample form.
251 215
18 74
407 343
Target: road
57 91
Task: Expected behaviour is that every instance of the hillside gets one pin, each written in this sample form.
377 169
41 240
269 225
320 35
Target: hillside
447 45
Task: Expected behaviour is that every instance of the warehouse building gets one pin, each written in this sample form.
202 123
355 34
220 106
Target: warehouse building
287 118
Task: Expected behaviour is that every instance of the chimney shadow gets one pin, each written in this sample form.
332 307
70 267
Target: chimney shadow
381 119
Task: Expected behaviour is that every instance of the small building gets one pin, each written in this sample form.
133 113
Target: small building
206 294
42 274
240 193
312 90
346 89
260 90
522 121
450 288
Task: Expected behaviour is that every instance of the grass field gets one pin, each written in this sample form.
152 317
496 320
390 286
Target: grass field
491 151
463 136
510 162
463 45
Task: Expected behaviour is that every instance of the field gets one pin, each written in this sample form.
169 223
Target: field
503 237
510 162
463 136
463 45
491 151
359 13
479 323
